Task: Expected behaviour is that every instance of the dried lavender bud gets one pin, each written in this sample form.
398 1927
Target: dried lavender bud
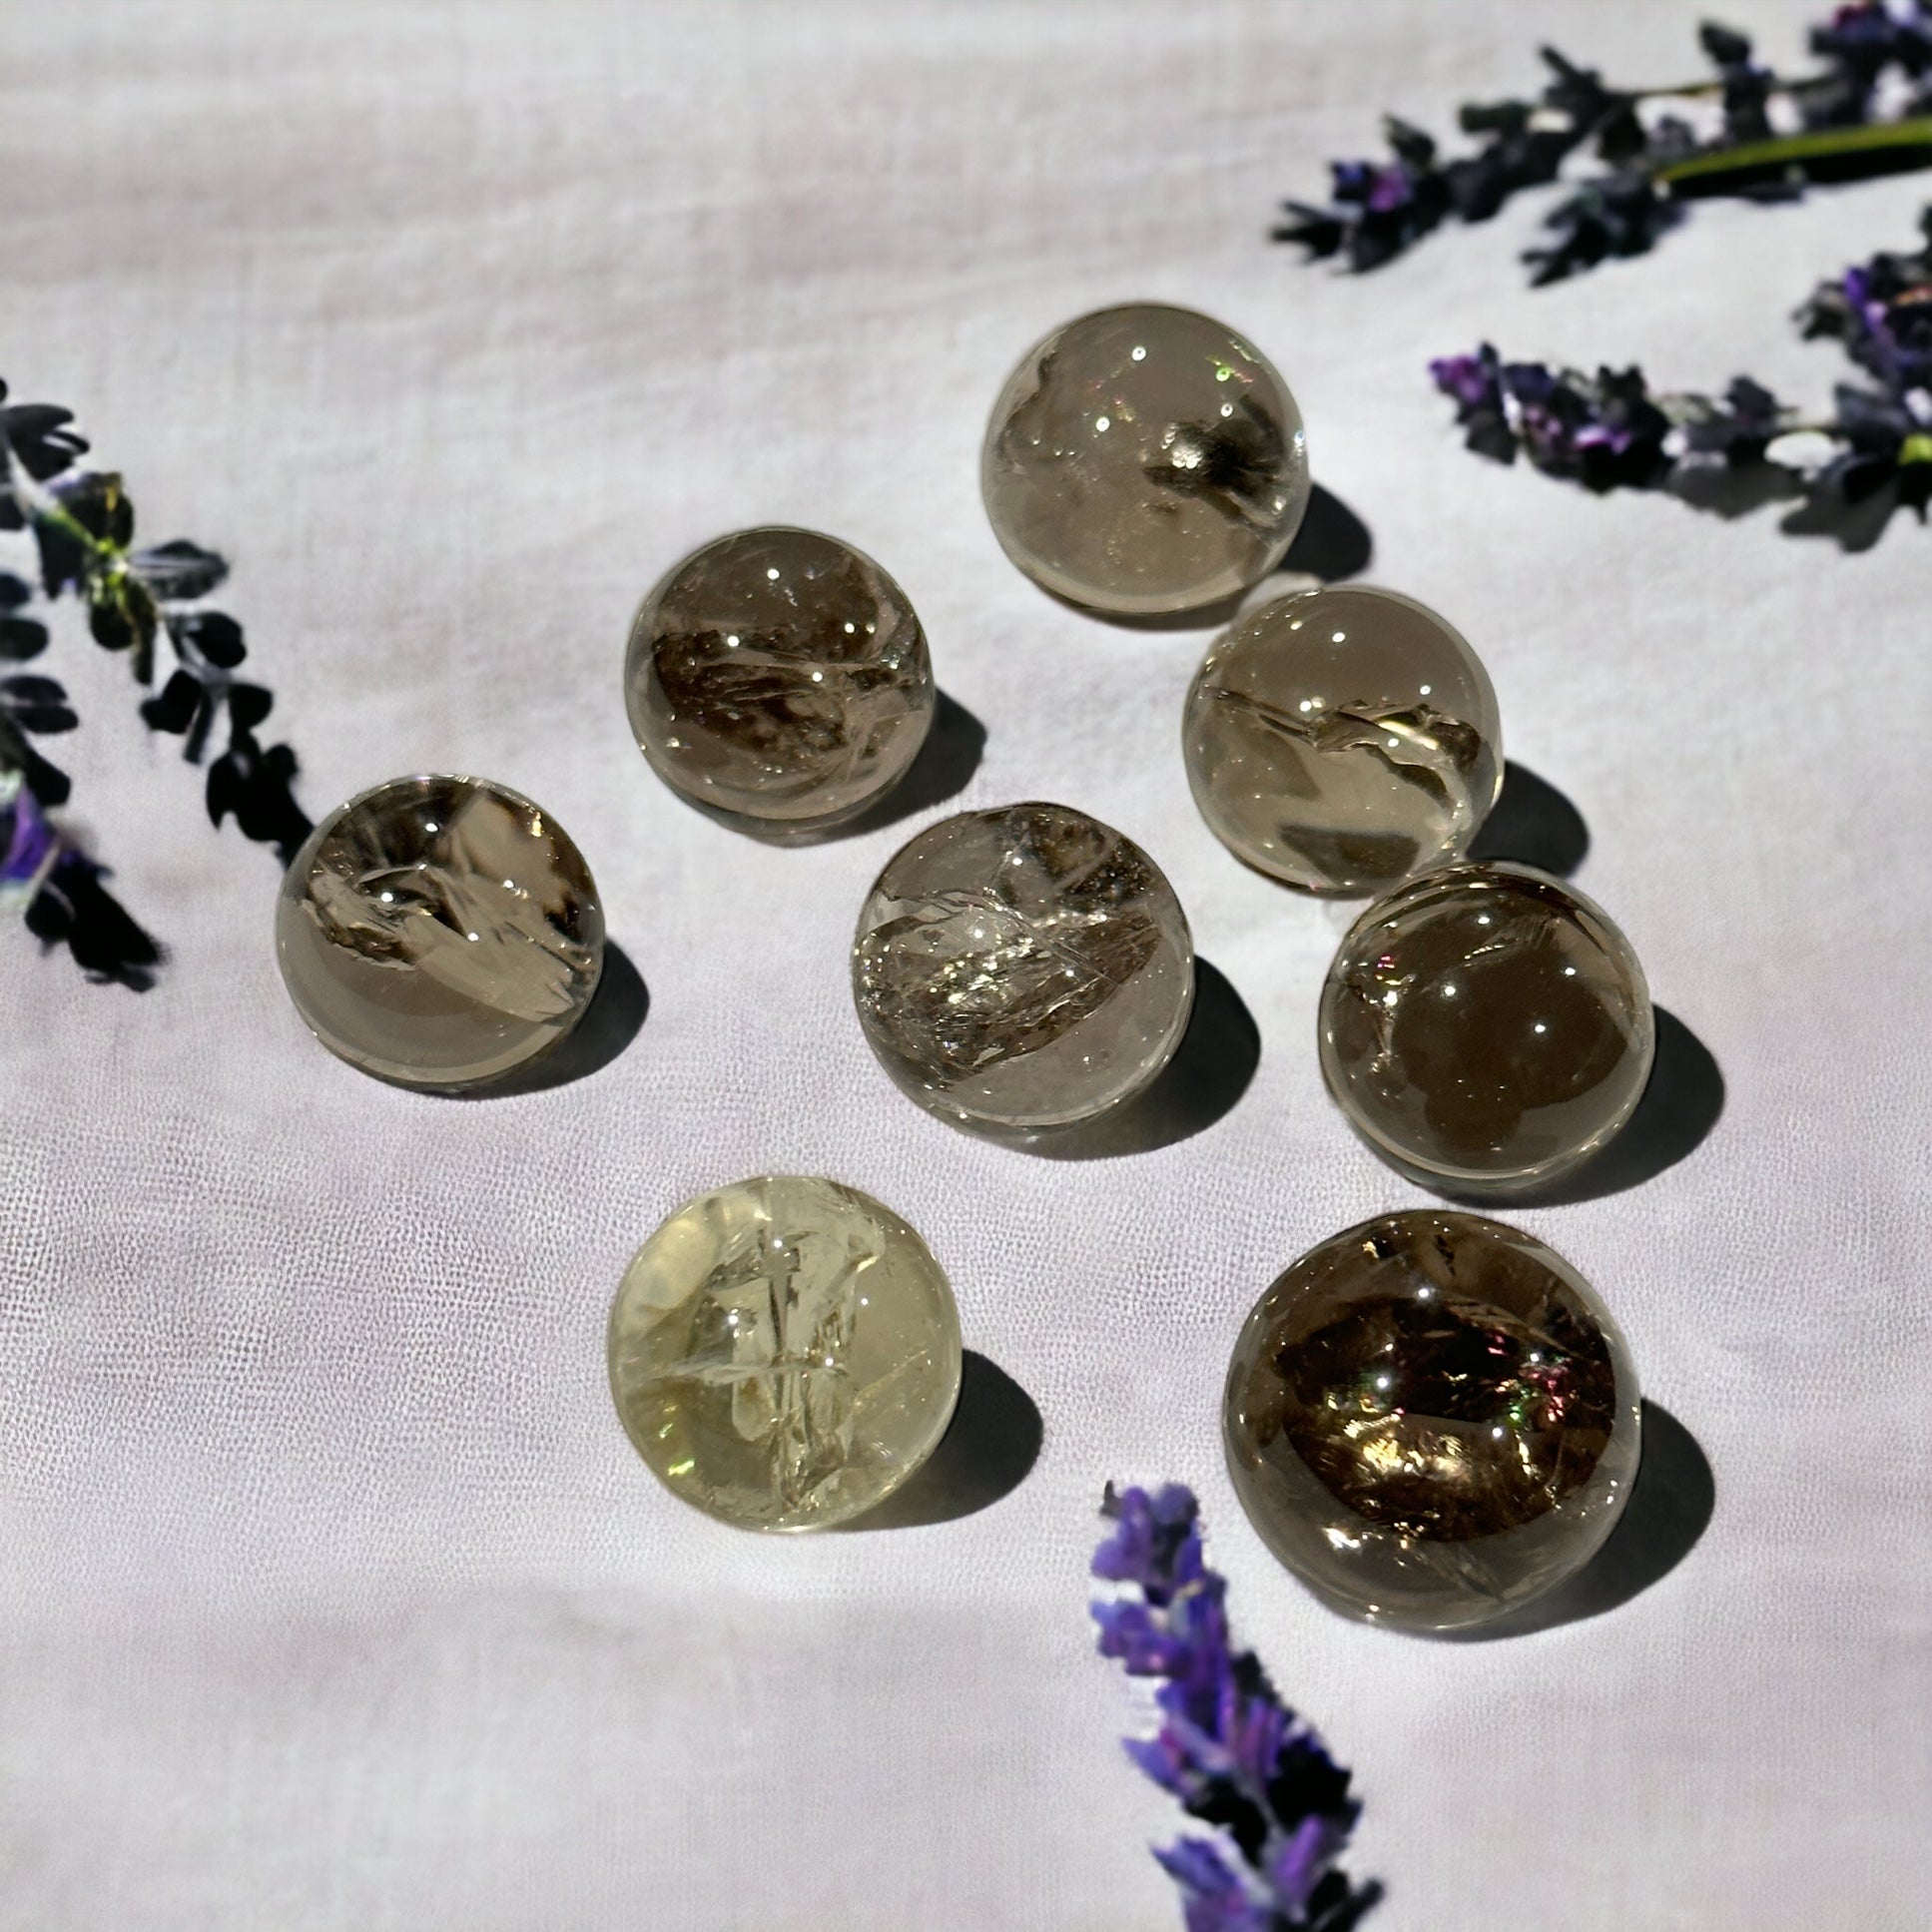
1739 427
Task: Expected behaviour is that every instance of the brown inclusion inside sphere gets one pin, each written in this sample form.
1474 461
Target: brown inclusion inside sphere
1431 1418
1144 459
1342 739
779 679
1471 1436
1025 967
439 931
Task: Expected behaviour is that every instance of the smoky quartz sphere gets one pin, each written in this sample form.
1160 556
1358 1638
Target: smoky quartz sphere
1144 460
783 1353
1431 1420
1028 966
1341 740
1485 1028
439 931
779 679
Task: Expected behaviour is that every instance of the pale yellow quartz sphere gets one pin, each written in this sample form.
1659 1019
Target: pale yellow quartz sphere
1144 460
1343 739
783 1353
439 932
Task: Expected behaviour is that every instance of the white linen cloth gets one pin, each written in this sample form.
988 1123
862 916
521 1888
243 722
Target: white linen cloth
331 1594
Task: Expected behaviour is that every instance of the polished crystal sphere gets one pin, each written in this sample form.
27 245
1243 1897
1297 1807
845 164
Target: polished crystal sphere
1432 1420
783 1353
439 932
779 679
1144 460
1343 739
1022 968
1486 1029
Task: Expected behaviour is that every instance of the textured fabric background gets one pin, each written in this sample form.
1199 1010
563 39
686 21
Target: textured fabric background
330 1595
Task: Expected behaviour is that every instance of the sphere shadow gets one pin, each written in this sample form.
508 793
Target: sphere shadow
613 1020
1212 1069
1681 1102
987 1452
1332 543
1533 824
954 747
1670 1506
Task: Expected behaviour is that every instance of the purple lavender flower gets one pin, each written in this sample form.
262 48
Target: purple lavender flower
1888 449
1881 310
1228 1748
82 524
1653 161
1215 1896
1155 1545
1602 432
1864 40
28 843
1380 207
1748 86
1610 432
57 889
1475 383
1738 427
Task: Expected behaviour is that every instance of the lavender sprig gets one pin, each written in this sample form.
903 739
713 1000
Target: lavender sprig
1767 136
1611 430
28 843
1228 1748
82 524
58 888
